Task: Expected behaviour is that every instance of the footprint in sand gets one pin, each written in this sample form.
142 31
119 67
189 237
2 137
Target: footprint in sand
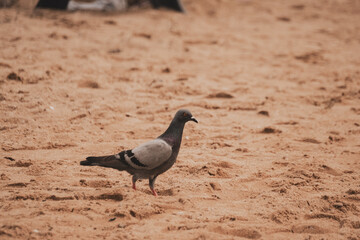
89 84
312 229
242 232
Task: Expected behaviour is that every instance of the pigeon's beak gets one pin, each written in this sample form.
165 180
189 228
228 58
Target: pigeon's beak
194 120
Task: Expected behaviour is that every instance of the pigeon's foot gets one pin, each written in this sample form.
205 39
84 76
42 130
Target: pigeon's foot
133 180
153 191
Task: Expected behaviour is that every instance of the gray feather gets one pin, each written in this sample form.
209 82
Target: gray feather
152 154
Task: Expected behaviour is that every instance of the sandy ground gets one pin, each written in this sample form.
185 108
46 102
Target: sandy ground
275 86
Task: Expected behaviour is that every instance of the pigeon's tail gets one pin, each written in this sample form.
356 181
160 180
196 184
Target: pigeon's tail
105 161
95 161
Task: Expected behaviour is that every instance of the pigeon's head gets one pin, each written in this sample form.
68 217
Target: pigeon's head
184 115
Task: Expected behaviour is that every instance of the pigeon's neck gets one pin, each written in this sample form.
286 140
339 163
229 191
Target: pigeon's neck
173 134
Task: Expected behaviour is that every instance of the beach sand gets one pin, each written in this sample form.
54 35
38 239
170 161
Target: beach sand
275 86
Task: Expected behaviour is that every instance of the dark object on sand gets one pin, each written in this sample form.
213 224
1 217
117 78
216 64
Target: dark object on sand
171 4
55 4
175 5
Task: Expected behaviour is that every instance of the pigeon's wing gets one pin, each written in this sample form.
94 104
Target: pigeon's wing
149 155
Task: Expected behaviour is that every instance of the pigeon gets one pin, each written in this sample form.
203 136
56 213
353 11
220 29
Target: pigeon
150 159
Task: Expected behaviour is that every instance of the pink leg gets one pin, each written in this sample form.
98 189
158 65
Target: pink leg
134 179
153 191
151 184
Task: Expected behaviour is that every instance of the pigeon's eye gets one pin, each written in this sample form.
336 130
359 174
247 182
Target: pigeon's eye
185 114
